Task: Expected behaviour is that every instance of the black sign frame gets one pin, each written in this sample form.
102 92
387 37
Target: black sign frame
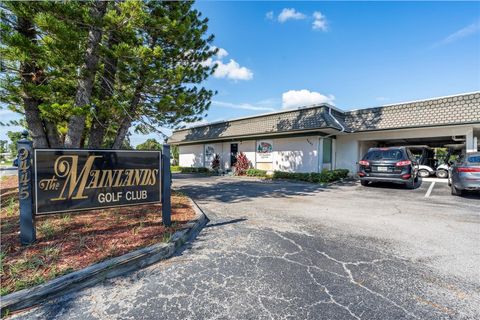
93 151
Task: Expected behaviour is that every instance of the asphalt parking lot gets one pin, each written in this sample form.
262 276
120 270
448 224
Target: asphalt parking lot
283 250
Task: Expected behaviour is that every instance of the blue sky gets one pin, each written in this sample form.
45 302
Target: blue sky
352 54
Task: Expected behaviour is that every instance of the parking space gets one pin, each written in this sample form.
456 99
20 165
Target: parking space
430 189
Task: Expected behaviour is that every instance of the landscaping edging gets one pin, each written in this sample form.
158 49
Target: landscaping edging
104 270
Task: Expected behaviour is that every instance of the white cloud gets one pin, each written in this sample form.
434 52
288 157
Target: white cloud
320 22
244 106
222 53
231 70
382 98
290 14
300 98
269 15
462 33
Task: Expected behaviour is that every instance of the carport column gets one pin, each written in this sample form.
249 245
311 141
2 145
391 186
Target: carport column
334 151
470 143
320 155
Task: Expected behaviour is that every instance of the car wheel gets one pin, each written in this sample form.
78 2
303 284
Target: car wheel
442 173
423 173
455 191
410 184
364 183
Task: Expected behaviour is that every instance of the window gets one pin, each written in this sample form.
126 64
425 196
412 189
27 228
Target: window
389 154
327 150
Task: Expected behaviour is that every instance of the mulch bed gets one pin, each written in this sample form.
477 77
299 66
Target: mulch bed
69 242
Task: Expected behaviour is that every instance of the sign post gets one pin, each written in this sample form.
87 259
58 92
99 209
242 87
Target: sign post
166 186
27 216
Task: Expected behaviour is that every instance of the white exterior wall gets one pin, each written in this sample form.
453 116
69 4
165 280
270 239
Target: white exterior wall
225 158
301 154
191 156
218 150
248 147
296 154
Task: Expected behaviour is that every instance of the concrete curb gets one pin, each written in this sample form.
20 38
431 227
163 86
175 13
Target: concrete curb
104 270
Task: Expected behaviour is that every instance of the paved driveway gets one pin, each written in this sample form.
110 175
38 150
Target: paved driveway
278 250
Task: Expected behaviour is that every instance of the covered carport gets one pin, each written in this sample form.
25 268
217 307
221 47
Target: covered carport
433 153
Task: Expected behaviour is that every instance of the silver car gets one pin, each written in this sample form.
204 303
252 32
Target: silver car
465 174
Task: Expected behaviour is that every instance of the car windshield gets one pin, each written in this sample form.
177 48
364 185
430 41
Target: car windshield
387 154
474 159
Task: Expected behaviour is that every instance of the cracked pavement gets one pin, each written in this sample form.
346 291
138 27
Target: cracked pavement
282 250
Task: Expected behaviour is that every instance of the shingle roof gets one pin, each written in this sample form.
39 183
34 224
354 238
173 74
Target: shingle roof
452 110
295 120
459 109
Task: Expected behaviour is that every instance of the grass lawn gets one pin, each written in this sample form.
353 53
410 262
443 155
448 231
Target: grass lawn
69 242
6 163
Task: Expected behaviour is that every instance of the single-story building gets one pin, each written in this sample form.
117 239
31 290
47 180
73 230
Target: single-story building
317 137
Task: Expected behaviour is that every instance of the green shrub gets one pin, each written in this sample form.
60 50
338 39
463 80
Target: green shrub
314 177
256 173
175 168
194 170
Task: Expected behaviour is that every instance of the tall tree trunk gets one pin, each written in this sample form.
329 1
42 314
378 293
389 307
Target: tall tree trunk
52 134
100 120
29 75
76 124
126 123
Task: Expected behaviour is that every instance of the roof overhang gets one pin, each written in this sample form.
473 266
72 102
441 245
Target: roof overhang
312 132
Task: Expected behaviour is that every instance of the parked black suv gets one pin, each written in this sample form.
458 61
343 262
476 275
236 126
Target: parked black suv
394 164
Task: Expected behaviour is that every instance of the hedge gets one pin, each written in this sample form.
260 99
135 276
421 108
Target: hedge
193 170
315 177
175 168
256 173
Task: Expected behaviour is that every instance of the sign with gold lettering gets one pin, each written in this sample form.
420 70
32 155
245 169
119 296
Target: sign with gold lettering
73 180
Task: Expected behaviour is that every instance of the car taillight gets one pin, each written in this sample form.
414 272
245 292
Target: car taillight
466 169
364 163
406 176
403 163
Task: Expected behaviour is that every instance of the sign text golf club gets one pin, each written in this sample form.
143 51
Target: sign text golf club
66 180
72 180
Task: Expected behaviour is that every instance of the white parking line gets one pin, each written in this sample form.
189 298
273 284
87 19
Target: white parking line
435 180
430 190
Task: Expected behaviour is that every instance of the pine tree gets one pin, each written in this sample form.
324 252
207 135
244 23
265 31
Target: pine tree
86 73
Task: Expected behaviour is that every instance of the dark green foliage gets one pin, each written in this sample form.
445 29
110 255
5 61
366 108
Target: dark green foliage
256 173
150 144
194 170
324 177
149 73
216 162
14 137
